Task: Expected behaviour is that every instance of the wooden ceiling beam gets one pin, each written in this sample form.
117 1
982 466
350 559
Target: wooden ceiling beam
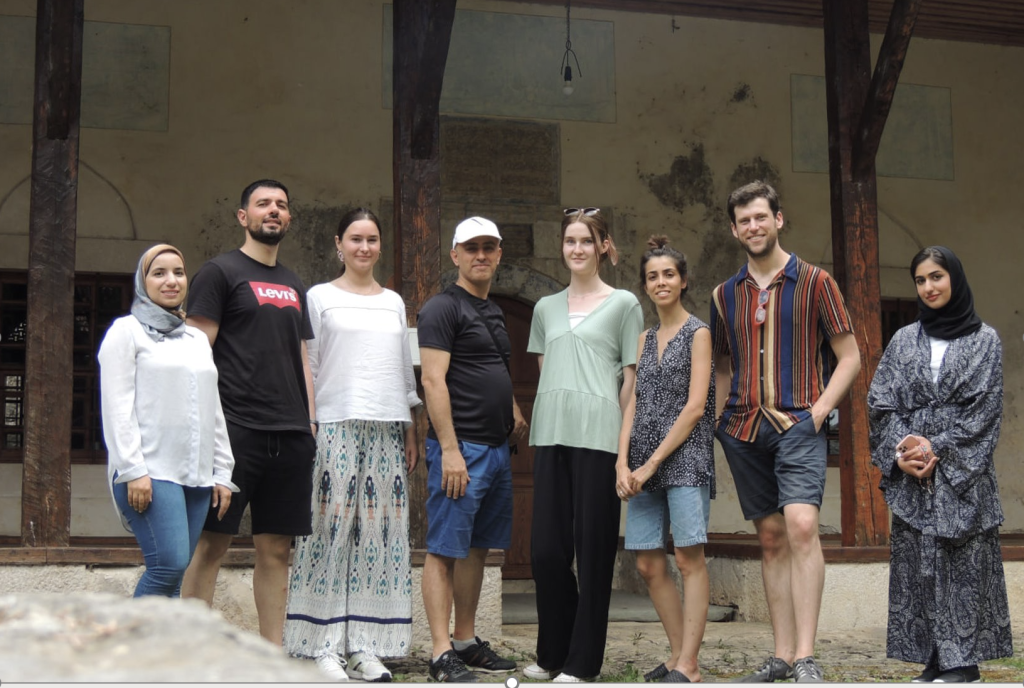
999 22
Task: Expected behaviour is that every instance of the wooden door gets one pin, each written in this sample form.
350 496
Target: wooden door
525 376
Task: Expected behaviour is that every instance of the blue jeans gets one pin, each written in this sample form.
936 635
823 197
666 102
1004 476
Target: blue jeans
167 532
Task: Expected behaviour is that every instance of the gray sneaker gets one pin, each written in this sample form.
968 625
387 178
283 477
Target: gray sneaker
774 669
806 671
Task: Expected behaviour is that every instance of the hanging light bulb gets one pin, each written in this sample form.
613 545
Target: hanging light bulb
565 69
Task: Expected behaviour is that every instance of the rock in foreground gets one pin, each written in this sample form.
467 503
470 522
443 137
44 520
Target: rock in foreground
104 637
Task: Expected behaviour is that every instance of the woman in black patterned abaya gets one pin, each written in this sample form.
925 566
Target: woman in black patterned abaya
936 403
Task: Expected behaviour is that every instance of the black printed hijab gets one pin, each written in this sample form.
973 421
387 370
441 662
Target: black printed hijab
957 318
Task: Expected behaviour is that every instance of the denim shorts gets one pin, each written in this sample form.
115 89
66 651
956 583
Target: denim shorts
649 514
482 518
777 469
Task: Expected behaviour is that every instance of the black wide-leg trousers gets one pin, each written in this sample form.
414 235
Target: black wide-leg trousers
575 515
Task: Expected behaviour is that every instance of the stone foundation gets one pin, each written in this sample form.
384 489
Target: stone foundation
856 595
233 597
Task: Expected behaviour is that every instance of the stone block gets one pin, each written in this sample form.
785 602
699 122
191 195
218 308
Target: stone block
106 637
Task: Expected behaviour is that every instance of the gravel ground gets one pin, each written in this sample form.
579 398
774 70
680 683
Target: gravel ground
729 650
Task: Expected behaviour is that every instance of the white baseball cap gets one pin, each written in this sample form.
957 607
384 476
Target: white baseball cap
474 227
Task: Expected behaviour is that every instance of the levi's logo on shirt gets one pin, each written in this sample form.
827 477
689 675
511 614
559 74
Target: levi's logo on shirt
275 294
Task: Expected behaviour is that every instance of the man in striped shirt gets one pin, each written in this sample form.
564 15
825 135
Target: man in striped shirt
773 325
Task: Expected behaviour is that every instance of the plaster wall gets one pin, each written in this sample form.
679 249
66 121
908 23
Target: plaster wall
293 91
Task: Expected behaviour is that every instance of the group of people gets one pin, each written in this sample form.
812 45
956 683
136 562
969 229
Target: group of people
303 407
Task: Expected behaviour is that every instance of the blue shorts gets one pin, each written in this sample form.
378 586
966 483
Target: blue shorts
777 469
649 514
482 518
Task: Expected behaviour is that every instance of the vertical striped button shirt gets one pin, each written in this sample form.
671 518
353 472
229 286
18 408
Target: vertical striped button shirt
781 366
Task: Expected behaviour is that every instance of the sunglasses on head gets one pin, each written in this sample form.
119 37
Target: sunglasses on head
569 212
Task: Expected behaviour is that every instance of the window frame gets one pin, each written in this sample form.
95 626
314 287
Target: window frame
92 316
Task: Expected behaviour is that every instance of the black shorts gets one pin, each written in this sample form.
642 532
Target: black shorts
273 472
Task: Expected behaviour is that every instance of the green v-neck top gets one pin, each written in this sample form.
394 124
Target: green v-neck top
577 402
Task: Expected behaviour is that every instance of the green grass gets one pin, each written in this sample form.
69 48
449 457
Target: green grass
629 674
1015 662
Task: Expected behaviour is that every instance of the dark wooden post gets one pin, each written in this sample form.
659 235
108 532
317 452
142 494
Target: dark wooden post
46 477
422 34
857 109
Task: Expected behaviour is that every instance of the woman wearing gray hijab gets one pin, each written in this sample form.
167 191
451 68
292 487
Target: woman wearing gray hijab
169 460
936 403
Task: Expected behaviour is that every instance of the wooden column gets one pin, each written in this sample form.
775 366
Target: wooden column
46 477
857 109
422 34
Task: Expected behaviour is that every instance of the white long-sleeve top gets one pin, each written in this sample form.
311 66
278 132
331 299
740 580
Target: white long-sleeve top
161 408
359 356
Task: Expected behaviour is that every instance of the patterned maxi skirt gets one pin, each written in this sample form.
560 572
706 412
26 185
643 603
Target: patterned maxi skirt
351 583
947 596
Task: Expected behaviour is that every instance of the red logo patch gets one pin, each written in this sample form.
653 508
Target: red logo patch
275 294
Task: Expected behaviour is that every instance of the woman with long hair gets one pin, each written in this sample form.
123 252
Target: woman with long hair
586 339
666 464
168 456
936 403
350 594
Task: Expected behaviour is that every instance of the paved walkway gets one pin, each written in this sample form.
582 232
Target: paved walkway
730 649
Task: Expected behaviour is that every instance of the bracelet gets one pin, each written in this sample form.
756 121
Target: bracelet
313 422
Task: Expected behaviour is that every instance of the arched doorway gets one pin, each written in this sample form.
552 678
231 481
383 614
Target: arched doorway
515 289
525 375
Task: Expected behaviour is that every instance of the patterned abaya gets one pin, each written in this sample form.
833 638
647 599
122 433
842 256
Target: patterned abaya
947 593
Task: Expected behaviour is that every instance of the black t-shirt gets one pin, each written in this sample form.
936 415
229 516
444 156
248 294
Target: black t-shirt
263 319
478 381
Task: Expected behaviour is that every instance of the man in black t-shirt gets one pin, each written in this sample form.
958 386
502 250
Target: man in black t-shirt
464 354
253 309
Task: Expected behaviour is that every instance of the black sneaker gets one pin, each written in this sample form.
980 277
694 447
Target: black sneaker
450 669
656 674
774 669
482 658
967 674
929 674
806 670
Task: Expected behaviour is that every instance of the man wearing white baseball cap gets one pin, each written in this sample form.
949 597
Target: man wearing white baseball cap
464 355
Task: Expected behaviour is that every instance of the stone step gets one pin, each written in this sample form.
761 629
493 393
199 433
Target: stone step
521 608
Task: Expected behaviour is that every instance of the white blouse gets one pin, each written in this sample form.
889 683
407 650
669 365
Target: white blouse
938 348
161 408
359 356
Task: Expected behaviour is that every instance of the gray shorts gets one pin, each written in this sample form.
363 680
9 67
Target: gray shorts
777 469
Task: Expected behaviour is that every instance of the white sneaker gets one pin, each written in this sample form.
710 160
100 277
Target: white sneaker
569 678
535 672
332 666
365 666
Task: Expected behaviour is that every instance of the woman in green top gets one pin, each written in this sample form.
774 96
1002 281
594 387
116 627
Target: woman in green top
586 336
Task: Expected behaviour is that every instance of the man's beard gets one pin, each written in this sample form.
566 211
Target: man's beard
269 238
769 246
